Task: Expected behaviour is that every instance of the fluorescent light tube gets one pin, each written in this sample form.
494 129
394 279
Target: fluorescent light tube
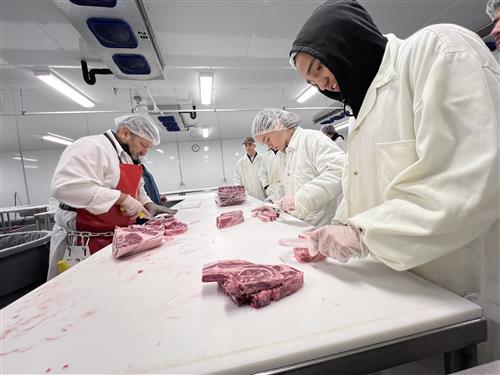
160 150
24 158
51 137
206 88
64 87
307 94
206 148
204 132
342 126
31 166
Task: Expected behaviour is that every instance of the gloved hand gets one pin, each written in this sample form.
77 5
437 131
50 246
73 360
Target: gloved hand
340 242
132 207
287 203
156 209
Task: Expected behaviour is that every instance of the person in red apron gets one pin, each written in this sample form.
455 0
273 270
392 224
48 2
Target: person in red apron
100 187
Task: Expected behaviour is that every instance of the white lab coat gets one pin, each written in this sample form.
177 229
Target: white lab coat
247 174
341 143
269 173
312 174
85 177
422 177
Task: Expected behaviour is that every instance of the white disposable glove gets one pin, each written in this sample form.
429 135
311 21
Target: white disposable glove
340 242
155 209
287 203
132 207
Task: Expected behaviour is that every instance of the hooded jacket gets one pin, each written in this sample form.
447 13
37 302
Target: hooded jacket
344 38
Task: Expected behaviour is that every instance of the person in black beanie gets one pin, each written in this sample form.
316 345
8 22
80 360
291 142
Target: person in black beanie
421 183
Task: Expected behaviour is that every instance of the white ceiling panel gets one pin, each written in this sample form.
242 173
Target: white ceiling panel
243 43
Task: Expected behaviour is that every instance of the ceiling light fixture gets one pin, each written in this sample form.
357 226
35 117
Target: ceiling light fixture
204 132
56 138
342 126
307 94
206 88
160 150
24 158
65 88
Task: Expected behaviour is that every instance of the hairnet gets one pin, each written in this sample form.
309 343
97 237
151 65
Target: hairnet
139 125
328 129
273 119
492 7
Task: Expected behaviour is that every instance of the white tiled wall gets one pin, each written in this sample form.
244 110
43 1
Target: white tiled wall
200 169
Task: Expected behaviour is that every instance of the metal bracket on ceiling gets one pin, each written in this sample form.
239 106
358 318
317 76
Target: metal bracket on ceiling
89 75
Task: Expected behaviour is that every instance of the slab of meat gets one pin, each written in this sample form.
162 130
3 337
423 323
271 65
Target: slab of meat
221 270
300 250
230 195
302 255
253 284
170 225
132 240
230 218
265 213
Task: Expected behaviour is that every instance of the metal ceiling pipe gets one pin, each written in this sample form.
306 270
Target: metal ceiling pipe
28 113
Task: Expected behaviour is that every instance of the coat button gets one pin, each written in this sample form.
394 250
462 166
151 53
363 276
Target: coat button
356 172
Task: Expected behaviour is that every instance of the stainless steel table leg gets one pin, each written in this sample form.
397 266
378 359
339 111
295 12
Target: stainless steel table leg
460 359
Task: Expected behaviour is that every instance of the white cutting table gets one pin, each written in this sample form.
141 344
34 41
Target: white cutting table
151 312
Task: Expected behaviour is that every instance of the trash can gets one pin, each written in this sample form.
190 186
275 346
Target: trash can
24 262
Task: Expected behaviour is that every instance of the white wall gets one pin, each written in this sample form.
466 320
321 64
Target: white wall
199 169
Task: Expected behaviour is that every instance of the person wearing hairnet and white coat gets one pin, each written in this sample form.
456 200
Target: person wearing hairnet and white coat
330 132
269 173
311 169
247 170
99 187
421 184
493 10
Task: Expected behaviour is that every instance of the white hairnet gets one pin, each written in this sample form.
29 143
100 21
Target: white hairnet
273 119
139 125
492 7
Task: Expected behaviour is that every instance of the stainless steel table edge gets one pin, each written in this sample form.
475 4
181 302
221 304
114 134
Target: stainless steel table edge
457 342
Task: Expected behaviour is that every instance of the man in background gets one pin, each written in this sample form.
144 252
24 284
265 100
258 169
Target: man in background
247 170
330 132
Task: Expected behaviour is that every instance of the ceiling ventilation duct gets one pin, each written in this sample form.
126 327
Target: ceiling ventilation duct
170 118
329 115
119 33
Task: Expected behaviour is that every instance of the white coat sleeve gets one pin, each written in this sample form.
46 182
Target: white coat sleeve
328 160
264 170
237 174
450 195
78 178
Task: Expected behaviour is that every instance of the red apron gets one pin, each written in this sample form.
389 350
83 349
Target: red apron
130 178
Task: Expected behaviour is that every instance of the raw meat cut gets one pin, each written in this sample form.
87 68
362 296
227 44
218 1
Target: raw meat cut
132 240
170 225
228 219
230 195
266 213
302 255
300 249
221 270
253 284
